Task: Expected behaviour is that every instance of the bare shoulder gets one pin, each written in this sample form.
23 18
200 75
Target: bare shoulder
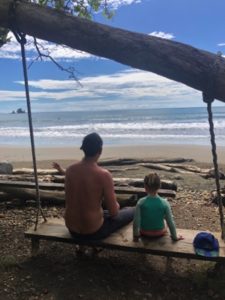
105 172
72 167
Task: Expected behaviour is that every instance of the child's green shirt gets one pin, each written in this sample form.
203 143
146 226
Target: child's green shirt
150 213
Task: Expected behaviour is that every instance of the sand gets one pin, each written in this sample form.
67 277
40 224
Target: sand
21 155
111 274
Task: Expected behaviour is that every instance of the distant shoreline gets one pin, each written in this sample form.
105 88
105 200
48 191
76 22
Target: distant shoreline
199 153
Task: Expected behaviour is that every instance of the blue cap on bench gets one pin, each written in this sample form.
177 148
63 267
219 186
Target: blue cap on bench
206 244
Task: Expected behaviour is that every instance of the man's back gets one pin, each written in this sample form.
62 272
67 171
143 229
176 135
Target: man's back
86 185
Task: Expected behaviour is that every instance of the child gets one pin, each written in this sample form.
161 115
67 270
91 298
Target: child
151 211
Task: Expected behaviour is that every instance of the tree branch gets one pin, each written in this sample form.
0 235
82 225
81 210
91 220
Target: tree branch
69 70
167 58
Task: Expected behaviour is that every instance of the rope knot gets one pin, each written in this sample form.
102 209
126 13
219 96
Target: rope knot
208 94
23 39
207 97
20 37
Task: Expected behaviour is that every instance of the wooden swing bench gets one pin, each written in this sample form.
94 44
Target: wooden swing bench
55 230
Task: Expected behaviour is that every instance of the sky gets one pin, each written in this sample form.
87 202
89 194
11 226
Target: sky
106 84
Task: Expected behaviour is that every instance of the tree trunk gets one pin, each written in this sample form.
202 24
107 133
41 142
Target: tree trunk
132 161
164 168
173 60
30 194
23 192
53 197
30 171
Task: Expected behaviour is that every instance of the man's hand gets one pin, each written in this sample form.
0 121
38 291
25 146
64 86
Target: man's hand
57 166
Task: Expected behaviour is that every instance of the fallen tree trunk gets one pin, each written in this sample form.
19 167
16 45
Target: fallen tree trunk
189 168
136 182
58 197
112 170
139 182
106 163
22 177
131 161
30 194
164 168
173 60
30 171
30 178
57 182
205 173
53 197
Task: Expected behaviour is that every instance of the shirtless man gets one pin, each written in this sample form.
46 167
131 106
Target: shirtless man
87 185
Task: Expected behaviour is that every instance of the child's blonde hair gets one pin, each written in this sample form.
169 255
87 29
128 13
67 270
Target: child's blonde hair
152 181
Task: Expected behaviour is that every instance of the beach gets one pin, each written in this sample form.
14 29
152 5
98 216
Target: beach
21 156
110 275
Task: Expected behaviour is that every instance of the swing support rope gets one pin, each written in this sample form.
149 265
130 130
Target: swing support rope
21 39
208 98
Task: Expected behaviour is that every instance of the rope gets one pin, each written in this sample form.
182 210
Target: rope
20 37
208 98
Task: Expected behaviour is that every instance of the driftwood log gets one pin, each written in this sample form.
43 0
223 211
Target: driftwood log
109 163
133 182
57 197
189 168
30 171
51 189
129 161
53 197
183 169
27 191
170 165
161 167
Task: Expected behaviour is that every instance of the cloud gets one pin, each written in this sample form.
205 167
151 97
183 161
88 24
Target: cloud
11 50
115 4
221 44
130 88
163 35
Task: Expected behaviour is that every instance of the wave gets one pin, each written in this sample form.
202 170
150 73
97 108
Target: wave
116 127
140 125
112 126
129 135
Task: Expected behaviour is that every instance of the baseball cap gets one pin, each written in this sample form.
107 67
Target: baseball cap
206 244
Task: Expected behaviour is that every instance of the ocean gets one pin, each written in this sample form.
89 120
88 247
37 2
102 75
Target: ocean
117 127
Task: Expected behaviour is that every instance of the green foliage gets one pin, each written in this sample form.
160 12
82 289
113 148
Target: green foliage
3 36
81 8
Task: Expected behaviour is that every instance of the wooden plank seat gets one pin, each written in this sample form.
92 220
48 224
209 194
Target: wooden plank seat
55 230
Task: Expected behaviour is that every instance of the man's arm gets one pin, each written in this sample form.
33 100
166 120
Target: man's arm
57 166
109 195
170 222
